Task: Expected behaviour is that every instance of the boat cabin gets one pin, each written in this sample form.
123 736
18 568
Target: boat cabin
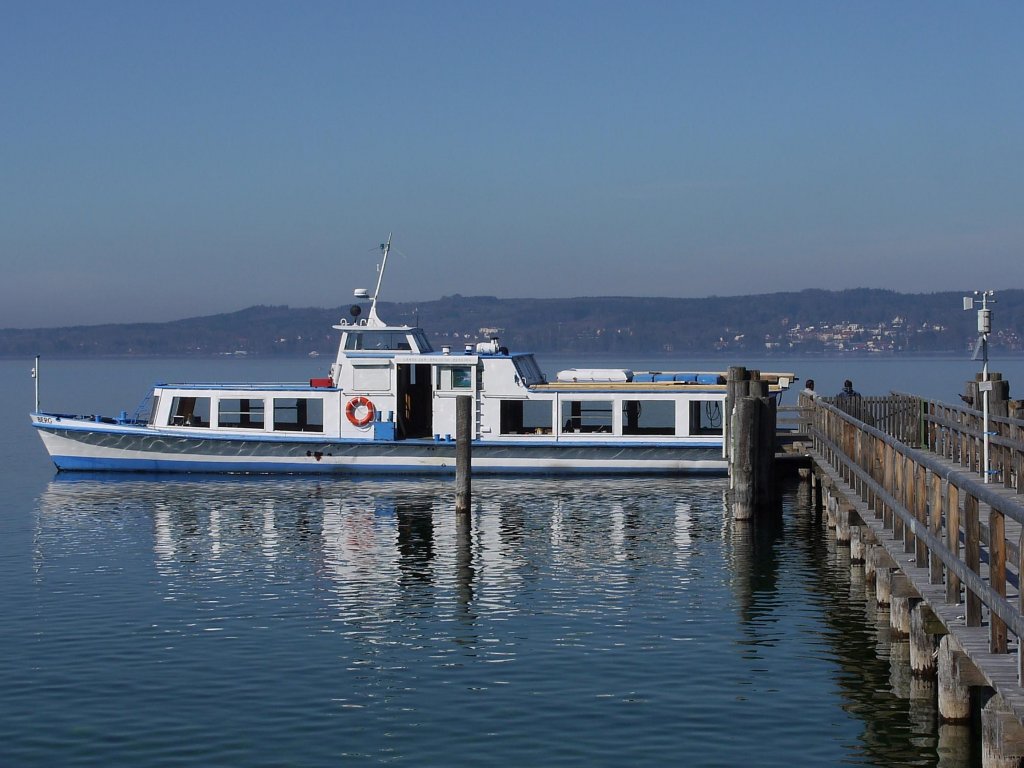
388 383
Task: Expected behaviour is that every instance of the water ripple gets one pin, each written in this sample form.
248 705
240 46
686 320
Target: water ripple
317 621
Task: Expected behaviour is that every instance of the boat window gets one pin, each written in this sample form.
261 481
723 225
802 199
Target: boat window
422 345
526 417
298 414
371 378
462 378
706 417
648 417
190 412
242 413
374 341
586 416
455 377
528 370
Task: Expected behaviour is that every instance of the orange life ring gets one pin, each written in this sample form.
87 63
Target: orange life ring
360 411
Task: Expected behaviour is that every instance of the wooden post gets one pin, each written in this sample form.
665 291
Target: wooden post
997 576
999 396
1002 737
952 505
921 513
922 642
888 475
935 526
1020 606
768 424
900 608
883 583
955 680
746 439
869 568
735 388
899 492
902 599
972 556
844 514
463 454
856 545
463 559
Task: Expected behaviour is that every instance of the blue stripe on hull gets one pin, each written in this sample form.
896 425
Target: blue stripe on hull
84 464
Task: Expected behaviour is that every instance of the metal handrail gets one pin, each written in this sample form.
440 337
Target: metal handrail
996 603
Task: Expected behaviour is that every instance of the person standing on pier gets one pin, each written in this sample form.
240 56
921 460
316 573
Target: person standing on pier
849 400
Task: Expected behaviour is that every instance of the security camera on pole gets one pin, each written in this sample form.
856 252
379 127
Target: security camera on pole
985 386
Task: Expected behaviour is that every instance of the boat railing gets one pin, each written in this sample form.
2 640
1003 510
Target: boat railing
247 386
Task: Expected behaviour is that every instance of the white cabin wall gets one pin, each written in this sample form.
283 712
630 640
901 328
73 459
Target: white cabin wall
500 375
444 415
163 407
333 413
683 417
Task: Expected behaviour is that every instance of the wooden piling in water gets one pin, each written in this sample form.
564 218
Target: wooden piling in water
954 687
750 442
844 516
923 637
857 546
900 608
463 454
764 478
883 582
734 383
746 439
1002 737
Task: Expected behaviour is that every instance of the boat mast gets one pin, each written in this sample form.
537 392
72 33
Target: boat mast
373 319
35 376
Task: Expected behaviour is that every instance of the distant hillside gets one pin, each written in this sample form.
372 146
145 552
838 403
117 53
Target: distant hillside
859 321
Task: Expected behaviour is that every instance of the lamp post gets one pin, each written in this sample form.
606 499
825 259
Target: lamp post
985 386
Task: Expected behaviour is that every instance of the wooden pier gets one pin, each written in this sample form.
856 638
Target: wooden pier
900 480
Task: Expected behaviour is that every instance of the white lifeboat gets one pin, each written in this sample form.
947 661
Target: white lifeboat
605 375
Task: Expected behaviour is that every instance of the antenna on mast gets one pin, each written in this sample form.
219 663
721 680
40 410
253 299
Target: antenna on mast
372 318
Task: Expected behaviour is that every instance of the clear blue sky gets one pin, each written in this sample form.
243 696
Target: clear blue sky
168 159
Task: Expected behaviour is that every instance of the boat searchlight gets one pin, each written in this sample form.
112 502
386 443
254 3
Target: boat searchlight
361 293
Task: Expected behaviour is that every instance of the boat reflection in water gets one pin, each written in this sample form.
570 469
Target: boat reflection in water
374 549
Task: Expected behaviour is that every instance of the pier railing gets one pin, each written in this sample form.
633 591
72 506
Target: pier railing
934 507
896 414
958 433
954 432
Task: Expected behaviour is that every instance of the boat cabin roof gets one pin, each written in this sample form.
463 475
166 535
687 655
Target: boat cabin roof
362 337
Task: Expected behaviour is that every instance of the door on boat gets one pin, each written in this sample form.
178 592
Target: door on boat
415 408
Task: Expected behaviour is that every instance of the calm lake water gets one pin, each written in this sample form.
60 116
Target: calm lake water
301 621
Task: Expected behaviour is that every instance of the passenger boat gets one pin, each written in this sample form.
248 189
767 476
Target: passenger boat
389 406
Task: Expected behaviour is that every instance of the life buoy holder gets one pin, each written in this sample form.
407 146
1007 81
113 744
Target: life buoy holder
360 411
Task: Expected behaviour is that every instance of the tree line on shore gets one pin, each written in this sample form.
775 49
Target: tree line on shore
854 321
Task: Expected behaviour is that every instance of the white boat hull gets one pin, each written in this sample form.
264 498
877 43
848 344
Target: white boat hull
80 446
